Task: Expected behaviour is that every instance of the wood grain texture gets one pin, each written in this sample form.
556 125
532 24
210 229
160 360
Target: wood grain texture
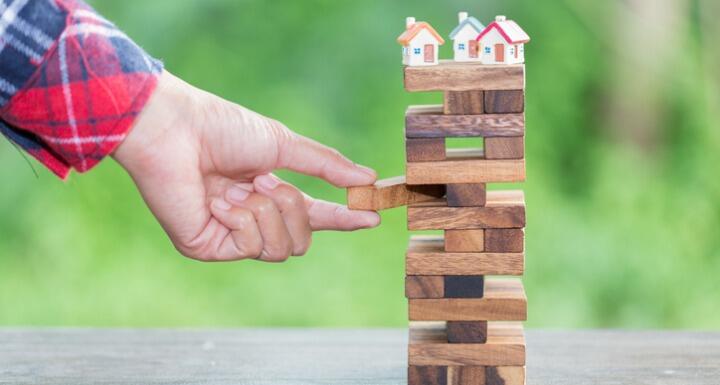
504 209
505 148
449 75
424 149
463 102
504 101
503 300
466 375
464 286
426 256
428 345
465 241
467 332
389 193
466 194
427 375
430 122
504 240
505 375
417 286
465 166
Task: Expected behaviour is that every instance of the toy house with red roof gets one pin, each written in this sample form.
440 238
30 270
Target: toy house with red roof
502 42
420 43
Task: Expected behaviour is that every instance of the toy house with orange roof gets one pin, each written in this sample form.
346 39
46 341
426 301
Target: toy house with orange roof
420 43
502 42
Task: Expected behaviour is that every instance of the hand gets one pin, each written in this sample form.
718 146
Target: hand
203 165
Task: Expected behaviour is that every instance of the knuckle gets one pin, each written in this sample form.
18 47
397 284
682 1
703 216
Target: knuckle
289 196
263 206
302 247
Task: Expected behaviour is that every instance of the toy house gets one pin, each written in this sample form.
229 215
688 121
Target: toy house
502 42
420 43
464 38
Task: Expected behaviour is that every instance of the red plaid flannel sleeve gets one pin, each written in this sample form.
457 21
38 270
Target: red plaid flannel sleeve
71 83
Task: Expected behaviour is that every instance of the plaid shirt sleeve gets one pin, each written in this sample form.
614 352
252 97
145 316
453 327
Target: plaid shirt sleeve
71 83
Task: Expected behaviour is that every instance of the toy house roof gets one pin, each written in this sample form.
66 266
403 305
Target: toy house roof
470 20
510 31
416 28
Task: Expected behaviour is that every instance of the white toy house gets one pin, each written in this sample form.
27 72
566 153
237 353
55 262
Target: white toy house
502 42
420 43
464 38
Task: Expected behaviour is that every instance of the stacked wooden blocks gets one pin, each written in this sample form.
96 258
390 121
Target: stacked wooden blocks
464 326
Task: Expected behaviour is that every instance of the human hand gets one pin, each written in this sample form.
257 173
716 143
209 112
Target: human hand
203 166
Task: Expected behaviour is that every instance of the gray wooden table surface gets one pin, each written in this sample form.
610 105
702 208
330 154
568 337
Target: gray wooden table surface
321 356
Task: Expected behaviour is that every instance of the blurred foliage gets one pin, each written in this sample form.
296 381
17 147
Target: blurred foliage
623 198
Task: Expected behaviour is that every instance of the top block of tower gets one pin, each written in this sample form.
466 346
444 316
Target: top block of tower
420 43
456 76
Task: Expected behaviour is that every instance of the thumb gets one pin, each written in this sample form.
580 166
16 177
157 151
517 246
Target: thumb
306 156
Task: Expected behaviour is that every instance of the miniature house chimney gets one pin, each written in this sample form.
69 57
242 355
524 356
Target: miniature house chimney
409 22
462 16
500 18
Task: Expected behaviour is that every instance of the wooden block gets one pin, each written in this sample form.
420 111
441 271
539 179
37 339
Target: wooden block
467 332
465 166
505 240
464 286
417 286
449 75
463 103
505 148
425 149
430 122
466 194
466 375
504 102
465 241
428 345
504 209
389 193
425 256
427 375
503 300
505 375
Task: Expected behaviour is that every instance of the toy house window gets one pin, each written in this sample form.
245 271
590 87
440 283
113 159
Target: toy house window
461 47
512 51
417 51
487 49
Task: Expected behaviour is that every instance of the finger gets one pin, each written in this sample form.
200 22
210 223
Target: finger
244 239
277 242
332 216
309 157
291 203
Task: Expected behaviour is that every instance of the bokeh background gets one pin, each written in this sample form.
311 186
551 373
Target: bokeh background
623 152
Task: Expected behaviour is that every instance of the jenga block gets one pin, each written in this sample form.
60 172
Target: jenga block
466 375
417 286
505 375
466 194
430 122
425 256
504 209
464 286
465 166
504 102
505 148
467 332
504 240
465 241
389 193
428 345
427 375
463 103
425 149
503 300
449 75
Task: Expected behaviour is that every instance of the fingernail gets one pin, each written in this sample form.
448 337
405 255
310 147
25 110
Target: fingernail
367 170
267 182
237 194
220 204
371 219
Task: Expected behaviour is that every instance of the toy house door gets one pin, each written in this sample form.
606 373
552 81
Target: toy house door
429 53
473 48
500 53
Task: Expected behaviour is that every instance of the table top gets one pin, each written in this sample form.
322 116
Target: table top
335 356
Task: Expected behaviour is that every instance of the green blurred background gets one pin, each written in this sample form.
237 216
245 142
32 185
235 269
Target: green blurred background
623 148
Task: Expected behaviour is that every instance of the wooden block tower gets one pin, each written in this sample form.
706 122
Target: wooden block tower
465 326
